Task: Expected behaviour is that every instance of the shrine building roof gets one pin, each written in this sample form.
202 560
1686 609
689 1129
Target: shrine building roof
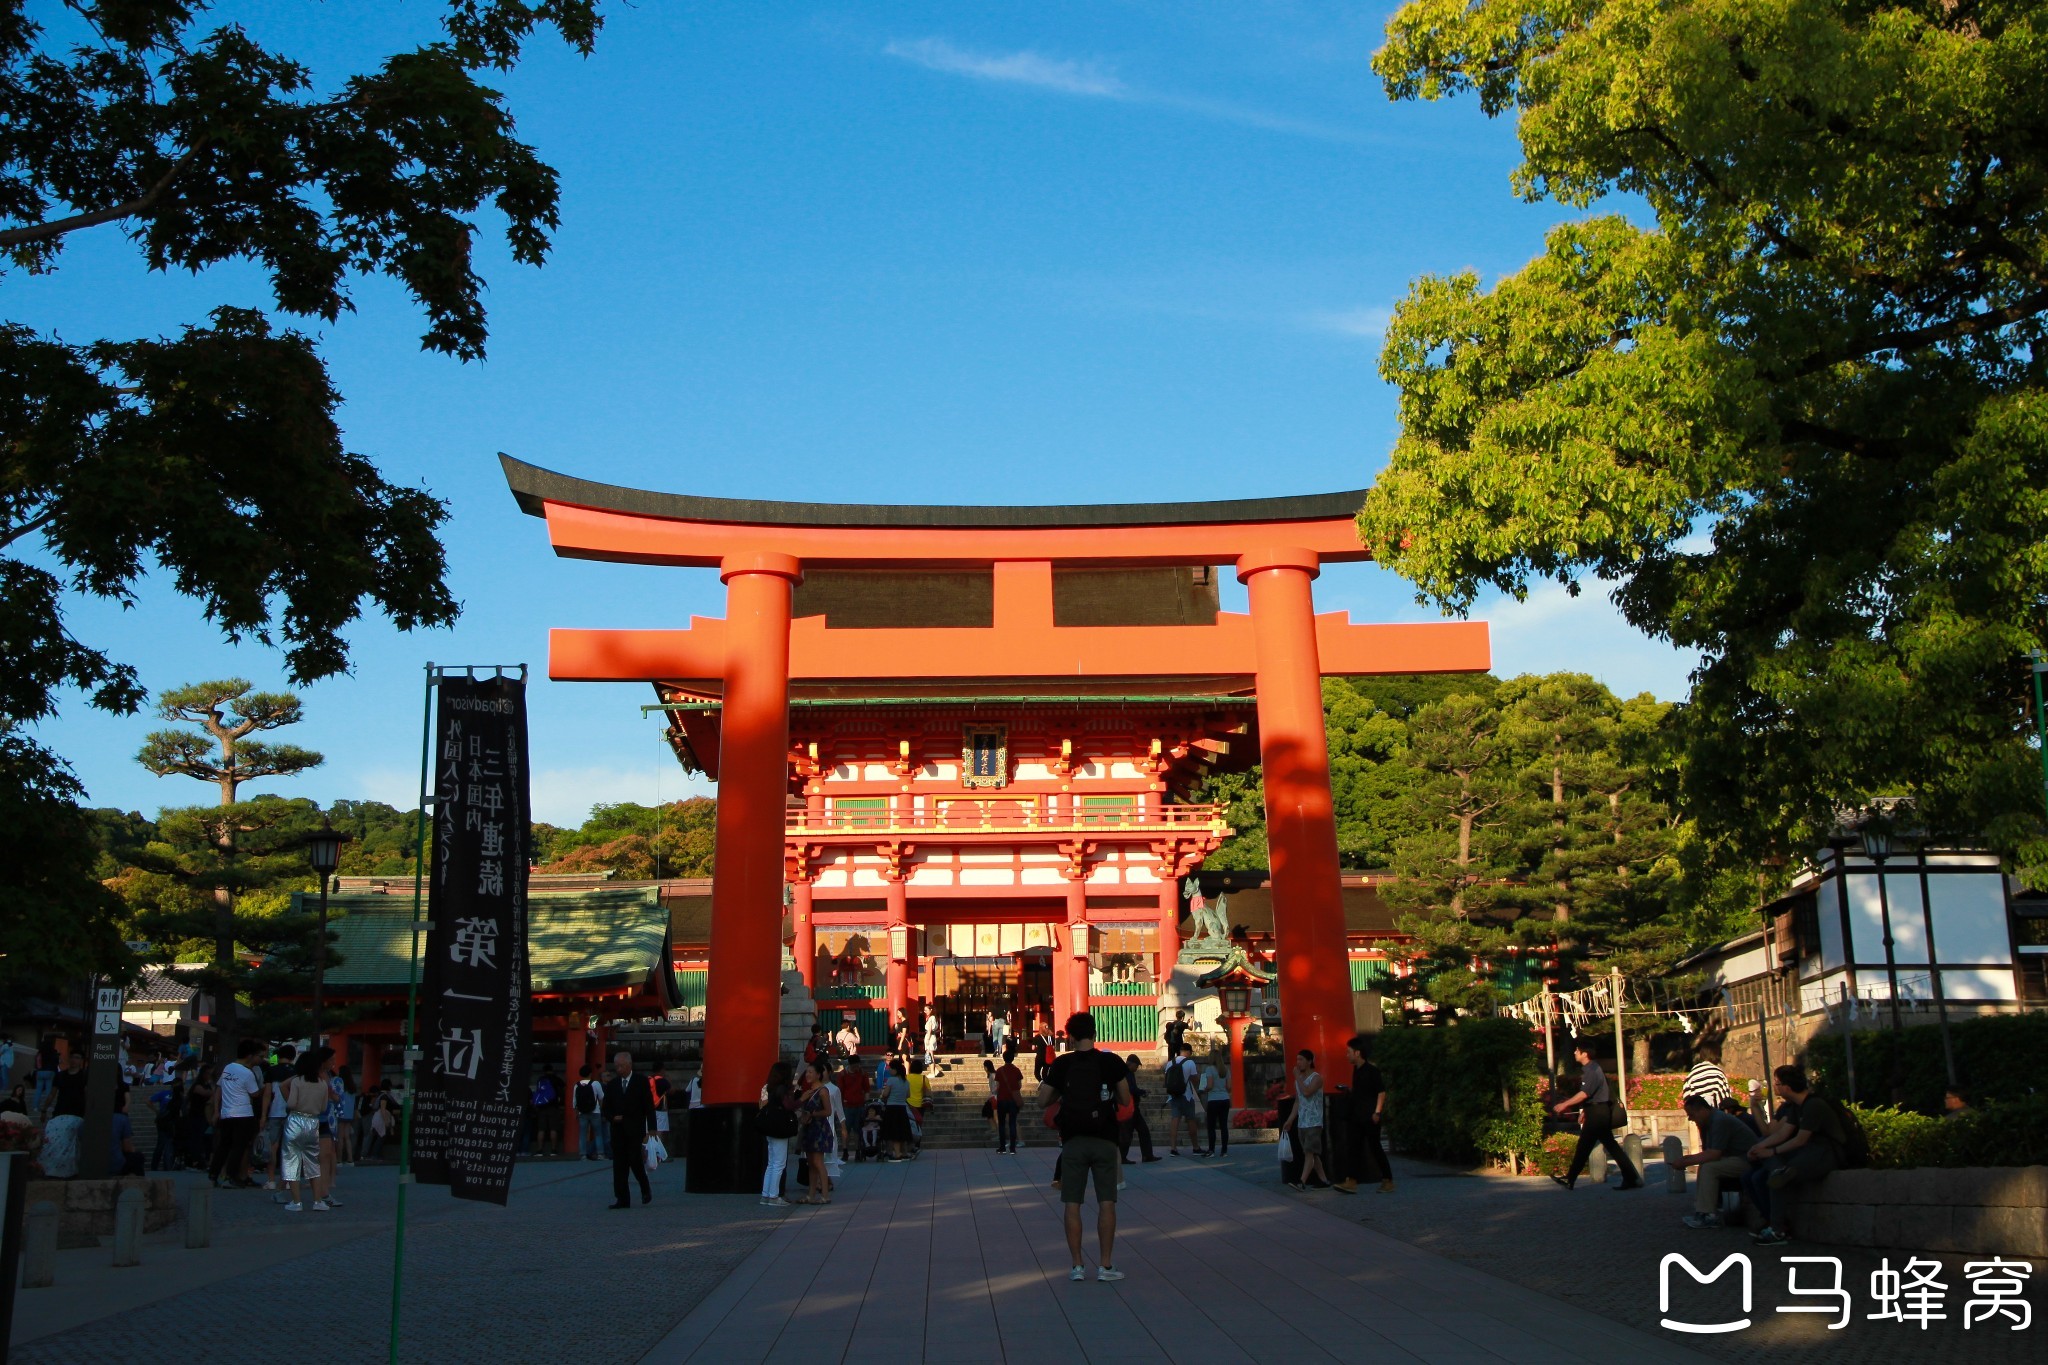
578 942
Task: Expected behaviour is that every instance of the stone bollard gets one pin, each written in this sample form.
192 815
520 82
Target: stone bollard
1674 1174
1596 1165
199 1218
1632 1148
128 1228
39 1246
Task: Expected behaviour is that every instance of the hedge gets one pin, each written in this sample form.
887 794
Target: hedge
1445 1088
2008 1133
1998 1057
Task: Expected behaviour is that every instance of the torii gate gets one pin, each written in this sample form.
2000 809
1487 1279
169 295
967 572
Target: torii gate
1283 649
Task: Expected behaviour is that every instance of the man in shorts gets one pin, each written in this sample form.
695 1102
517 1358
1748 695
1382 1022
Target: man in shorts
1091 1085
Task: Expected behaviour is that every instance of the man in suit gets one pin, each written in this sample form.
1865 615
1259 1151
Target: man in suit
628 1107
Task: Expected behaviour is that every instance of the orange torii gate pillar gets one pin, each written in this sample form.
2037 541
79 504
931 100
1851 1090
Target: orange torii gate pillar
754 657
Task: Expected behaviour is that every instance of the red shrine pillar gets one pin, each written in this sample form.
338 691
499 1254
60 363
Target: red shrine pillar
742 1006
899 968
1169 923
1070 963
1301 822
573 1061
805 949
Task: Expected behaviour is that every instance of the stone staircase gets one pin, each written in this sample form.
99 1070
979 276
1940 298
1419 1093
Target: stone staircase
958 1085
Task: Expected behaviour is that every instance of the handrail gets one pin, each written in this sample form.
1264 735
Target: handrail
967 815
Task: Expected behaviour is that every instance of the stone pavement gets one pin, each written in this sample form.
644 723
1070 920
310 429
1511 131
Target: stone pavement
958 1257
529 1282
1600 1250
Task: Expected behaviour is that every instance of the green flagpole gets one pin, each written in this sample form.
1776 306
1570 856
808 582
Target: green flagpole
412 1005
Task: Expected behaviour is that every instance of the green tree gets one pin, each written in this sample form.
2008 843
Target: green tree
59 924
202 860
215 453
670 840
1795 415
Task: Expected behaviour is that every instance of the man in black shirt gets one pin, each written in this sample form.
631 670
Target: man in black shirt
1368 1098
1093 1087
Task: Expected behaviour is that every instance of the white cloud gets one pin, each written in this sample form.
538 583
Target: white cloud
1355 322
1093 80
1015 68
1552 631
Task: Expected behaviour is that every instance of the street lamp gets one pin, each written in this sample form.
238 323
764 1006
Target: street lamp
323 851
1877 846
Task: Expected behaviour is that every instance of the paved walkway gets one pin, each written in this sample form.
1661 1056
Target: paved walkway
957 1257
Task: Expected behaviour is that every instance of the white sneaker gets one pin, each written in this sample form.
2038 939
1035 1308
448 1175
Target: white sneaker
1077 1274
775 1202
270 1184
322 1206
1105 1273
1121 1183
295 1208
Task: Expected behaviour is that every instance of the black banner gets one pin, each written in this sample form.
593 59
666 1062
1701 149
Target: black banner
475 1026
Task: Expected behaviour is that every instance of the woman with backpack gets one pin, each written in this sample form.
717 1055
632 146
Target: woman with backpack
1135 1126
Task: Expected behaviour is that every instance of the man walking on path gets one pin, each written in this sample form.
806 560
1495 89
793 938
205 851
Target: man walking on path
629 1109
589 1123
1009 1096
1595 1102
1091 1086
237 1126
1180 1097
1723 1140
1368 1099
1805 1141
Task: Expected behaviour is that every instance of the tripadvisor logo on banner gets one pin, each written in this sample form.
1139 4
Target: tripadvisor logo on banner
475 1029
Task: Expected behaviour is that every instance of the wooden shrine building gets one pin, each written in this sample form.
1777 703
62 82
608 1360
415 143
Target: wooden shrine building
985 724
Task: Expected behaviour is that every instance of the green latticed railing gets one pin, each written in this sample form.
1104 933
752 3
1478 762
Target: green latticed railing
1368 972
1126 1023
1124 988
872 1025
693 988
857 992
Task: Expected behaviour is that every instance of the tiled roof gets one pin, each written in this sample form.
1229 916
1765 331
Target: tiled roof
160 986
576 941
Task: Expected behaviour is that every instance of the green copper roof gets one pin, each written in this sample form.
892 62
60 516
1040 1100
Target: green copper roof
610 939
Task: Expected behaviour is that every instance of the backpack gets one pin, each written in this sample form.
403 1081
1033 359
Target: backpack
778 1120
1176 1080
586 1097
1855 1153
544 1093
1088 1103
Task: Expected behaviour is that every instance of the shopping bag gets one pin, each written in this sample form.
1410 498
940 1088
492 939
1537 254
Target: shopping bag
1286 1148
656 1154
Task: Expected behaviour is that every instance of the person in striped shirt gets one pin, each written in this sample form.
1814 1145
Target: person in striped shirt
1706 1079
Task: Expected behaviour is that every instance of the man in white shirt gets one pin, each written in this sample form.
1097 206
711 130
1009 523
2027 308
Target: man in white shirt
239 1085
848 1039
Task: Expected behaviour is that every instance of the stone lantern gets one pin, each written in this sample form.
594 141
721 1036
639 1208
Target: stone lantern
1238 981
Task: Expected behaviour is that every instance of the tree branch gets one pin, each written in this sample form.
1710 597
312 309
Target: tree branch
146 203
29 527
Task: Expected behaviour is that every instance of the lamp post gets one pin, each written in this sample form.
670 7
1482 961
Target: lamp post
1877 846
1235 1000
323 851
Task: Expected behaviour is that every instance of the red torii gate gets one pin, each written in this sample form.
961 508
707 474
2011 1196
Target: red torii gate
762 549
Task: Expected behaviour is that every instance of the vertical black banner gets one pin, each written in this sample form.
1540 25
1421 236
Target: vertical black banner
475 1030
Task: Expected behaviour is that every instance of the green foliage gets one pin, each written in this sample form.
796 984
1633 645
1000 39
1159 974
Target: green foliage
1998 1057
57 922
1799 421
215 453
1463 1092
2007 1133
635 841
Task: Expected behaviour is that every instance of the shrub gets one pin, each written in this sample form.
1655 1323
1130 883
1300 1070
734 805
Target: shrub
1464 1091
1656 1091
1999 1057
1555 1156
1256 1118
2013 1133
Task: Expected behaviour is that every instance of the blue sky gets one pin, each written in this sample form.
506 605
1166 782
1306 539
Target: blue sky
905 253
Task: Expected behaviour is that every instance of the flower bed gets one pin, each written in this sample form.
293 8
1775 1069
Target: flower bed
1657 1091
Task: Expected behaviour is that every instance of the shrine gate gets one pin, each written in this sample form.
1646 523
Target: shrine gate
945 716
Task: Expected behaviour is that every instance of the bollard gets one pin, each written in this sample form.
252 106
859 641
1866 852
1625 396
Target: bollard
39 1246
128 1227
199 1218
1632 1148
1596 1166
1674 1174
